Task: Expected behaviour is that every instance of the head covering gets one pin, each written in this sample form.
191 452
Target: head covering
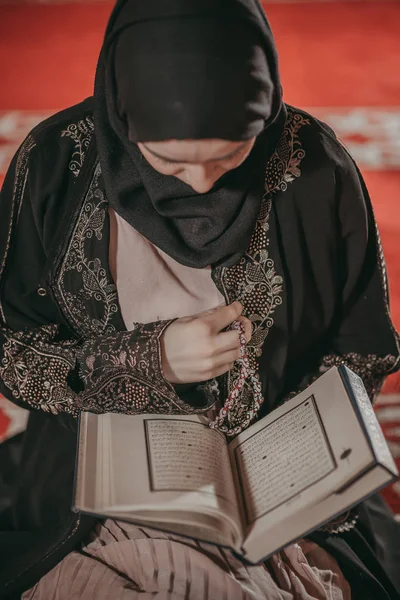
184 69
196 76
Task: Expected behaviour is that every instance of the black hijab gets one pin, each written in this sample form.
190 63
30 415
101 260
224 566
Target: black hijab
184 69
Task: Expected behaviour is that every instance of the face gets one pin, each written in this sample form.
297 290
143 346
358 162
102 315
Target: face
199 163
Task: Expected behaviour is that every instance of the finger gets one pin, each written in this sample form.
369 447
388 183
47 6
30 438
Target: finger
221 370
248 327
226 358
210 311
204 313
226 341
224 316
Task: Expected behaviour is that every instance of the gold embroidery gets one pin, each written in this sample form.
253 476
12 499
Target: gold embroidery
284 165
253 279
81 133
95 282
36 370
21 176
122 373
372 368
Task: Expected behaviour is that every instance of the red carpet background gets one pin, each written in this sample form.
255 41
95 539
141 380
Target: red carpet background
338 59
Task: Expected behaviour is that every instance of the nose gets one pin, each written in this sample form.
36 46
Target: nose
201 177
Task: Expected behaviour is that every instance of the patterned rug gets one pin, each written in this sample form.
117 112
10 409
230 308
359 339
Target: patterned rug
48 53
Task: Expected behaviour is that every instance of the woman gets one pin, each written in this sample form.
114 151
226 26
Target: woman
185 184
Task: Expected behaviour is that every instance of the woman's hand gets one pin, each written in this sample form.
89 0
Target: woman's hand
196 349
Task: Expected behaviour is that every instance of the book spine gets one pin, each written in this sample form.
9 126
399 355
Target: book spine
367 416
77 491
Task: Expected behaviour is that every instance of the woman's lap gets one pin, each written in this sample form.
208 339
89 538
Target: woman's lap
125 562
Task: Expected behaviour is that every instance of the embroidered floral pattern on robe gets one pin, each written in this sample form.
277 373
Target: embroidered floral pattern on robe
81 133
36 371
253 280
97 286
121 372
371 368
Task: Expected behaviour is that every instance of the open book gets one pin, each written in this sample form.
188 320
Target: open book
297 468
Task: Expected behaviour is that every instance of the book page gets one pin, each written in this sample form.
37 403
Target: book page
282 459
160 463
311 448
262 543
176 451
